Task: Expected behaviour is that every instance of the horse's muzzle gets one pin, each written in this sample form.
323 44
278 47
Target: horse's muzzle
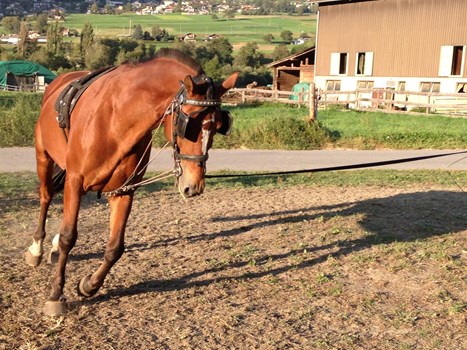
192 190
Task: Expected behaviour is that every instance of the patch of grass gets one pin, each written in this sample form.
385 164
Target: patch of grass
369 130
262 125
18 118
18 184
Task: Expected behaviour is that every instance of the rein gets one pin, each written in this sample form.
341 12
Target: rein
340 167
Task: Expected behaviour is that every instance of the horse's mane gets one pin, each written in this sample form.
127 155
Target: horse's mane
180 57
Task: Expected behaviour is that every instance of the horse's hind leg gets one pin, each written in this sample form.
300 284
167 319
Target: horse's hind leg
44 171
120 207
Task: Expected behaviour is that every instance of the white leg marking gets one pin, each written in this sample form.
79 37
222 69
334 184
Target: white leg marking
55 242
36 248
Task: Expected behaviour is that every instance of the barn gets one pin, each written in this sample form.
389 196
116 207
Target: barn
405 45
293 69
24 75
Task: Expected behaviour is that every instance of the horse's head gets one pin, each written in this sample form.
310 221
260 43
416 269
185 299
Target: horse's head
191 125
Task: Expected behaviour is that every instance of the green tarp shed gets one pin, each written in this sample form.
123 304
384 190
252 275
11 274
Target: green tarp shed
23 69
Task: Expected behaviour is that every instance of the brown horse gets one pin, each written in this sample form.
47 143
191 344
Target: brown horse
104 148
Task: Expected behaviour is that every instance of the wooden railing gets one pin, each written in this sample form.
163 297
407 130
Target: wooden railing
23 87
366 99
389 99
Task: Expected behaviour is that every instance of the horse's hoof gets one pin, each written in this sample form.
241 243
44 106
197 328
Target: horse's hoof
84 289
32 260
52 258
54 308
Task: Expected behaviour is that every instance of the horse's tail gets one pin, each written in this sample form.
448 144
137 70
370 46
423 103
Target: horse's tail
58 178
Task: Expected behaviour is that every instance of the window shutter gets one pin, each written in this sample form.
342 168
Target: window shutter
368 63
445 61
335 59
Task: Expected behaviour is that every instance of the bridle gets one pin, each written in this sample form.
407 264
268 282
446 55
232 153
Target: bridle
181 121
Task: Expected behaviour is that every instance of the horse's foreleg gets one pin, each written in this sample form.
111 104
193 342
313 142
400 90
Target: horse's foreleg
44 171
55 304
120 207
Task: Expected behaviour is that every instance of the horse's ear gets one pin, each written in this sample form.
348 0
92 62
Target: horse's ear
228 84
188 82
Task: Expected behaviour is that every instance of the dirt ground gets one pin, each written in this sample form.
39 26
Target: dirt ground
251 268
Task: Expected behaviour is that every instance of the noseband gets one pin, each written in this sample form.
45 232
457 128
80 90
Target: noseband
181 122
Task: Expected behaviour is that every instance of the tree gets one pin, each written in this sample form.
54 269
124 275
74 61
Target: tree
127 7
11 24
221 48
178 7
248 56
268 38
94 9
109 9
23 39
25 45
137 32
41 23
114 46
97 57
86 39
213 69
188 48
54 38
229 14
280 52
156 32
287 36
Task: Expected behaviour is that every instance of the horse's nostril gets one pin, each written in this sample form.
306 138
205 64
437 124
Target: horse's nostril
187 191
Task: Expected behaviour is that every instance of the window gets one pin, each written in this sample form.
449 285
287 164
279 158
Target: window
461 88
364 63
364 84
451 61
458 53
339 63
343 63
429 87
333 85
401 86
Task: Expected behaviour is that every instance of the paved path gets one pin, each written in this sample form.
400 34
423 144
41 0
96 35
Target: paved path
17 159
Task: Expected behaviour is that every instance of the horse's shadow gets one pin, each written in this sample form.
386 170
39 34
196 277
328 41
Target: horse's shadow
403 218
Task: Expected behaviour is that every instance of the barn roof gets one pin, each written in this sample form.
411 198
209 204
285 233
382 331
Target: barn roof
310 53
24 68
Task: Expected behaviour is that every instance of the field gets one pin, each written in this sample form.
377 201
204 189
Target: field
240 29
273 267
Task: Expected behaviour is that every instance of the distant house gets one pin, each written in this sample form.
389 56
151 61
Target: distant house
212 37
406 45
188 37
294 69
302 40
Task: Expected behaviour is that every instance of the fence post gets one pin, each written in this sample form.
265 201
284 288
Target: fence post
312 104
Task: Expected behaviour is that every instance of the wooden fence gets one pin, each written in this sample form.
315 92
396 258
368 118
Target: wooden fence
362 99
23 87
